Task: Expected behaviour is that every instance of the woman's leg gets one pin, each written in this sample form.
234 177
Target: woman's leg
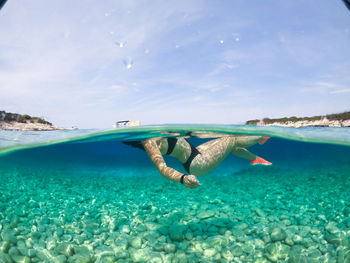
245 141
244 153
254 159
212 153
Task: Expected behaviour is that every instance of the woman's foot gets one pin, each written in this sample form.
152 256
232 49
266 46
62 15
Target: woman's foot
260 161
264 140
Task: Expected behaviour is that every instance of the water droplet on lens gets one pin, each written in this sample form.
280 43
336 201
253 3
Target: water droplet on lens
128 63
147 51
120 44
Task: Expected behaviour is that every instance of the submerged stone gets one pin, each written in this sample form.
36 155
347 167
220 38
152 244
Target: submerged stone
20 259
236 251
5 258
209 252
80 258
140 255
9 236
343 255
276 251
103 251
13 251
108 259
205 214
241 226
136 242
158 247
176 232
120 253
169 248
81 255
60 259
65 249
227 255
332 238
278 234
4 246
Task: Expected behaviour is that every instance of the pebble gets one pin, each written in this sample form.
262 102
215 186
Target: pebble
65 249
332 238
20 259
205 214
276 251
136 242
169 248
79 258
236 250
278 234
9 236
60 259
125 229
140 255
120 253
260 212
209 252
4 246
241 226
176 232
5 258
60 231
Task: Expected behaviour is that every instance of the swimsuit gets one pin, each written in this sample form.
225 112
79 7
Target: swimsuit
171 145
194 152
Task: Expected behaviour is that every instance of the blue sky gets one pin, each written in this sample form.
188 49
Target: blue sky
91 63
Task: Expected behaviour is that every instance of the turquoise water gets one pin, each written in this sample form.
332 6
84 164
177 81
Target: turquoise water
84 196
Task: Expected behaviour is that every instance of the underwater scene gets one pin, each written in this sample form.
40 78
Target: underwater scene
87 196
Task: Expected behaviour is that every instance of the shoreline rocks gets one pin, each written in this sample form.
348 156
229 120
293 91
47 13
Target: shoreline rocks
27 126
295 122
300 124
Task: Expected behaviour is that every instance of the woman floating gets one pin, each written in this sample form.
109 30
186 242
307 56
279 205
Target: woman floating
202 159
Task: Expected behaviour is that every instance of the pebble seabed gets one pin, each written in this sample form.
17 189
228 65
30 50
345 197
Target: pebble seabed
260 214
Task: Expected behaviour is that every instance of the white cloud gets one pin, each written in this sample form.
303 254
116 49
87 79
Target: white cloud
340 91
326 84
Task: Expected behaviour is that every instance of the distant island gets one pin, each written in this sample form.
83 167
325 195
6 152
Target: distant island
15 121
331 120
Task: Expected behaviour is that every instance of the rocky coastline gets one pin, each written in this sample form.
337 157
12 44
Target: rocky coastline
18 122
27 126
331 120
319 123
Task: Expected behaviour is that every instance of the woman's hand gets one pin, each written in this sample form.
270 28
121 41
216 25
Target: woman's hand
190 181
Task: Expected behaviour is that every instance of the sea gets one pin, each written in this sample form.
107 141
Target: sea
85 196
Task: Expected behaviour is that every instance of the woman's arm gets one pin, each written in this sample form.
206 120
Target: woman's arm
154 153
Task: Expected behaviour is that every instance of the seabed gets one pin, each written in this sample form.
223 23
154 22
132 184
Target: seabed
259 214
98 200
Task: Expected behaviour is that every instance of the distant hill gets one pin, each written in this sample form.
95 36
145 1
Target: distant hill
335 120
15 121
9 117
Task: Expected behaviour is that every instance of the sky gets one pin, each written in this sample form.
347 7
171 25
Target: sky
92 63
